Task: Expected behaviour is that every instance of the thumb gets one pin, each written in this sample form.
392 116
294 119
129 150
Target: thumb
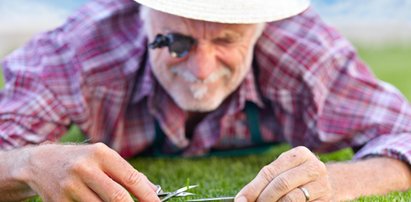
240 198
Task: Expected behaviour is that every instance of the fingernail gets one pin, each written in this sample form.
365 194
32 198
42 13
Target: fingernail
241 199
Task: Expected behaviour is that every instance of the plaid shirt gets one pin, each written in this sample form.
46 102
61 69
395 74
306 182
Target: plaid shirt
308 82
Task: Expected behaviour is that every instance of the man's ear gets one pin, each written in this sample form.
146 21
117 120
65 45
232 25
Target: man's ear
144 12
260 29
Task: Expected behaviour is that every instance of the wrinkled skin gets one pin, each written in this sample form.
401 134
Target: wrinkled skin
84 173
279 181
212 70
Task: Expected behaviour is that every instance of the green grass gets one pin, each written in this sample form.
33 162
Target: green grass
217 176
227 175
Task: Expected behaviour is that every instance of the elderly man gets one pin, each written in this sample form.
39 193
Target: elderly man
187 77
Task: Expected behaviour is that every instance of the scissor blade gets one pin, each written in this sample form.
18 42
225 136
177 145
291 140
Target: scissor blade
183 189
182 194
221 199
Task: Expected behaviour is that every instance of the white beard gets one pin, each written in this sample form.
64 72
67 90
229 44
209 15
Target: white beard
198 87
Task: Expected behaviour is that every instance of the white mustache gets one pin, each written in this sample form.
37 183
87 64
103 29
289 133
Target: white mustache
197 86
189 77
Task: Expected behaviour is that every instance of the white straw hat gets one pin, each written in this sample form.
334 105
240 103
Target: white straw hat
230 11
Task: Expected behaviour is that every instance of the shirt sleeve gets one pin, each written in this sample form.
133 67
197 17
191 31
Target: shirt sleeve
43 90
360 111
82 72
325 97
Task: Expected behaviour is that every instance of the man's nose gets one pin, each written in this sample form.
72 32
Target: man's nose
202 61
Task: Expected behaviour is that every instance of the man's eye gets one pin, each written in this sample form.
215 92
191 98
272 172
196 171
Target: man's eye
224 41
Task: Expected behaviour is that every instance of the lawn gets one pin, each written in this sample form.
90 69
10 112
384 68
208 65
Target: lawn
226 175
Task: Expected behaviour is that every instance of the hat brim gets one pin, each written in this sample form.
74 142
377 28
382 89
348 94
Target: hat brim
230 11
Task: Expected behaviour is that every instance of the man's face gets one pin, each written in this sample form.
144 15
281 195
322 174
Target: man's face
215 65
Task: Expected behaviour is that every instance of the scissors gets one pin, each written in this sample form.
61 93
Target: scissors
216 199
178 193
182 193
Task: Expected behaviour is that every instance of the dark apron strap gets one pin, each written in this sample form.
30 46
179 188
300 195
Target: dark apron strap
253 122
258 145
159 139
156 147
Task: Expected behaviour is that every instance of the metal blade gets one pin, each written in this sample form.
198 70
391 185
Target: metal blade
221 199
182 194
178 191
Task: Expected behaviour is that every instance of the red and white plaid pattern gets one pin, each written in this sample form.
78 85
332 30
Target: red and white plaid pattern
92 71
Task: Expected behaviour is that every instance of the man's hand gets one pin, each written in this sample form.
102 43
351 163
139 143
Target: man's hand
84 173
282 179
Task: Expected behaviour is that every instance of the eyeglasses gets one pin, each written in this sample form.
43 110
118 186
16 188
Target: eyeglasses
178 45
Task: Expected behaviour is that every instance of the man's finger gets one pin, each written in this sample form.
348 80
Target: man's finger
123 173
285 161
74 189
292 179
106 188
83 193
315 190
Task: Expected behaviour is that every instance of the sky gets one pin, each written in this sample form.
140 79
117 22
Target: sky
371 11
34 13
